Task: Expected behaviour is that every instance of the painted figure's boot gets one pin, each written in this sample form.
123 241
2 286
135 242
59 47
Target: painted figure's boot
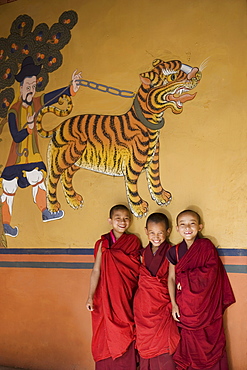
50 216
10 231
6 215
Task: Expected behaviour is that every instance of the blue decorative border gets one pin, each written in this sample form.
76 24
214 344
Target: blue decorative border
48 265
90 251
232 252
241 269
47 251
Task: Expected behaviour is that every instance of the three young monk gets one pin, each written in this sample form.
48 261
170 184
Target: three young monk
181 329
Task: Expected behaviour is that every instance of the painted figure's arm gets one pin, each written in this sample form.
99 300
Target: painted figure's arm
172 291
95 275
75 76
19 135
53 96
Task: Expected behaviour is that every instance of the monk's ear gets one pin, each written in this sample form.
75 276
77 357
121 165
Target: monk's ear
110 221
200 227
168 231
146 230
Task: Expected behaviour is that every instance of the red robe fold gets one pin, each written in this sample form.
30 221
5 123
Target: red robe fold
206 293
112 318
156 330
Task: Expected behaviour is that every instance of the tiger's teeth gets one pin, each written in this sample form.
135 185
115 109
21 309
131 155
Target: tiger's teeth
180 91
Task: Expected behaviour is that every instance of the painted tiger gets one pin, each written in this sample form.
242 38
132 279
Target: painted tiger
120 145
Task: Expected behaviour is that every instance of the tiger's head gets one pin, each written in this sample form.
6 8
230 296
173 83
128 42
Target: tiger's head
168 84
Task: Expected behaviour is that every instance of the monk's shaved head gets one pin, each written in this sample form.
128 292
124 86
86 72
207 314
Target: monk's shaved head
189 211
118 207
158 217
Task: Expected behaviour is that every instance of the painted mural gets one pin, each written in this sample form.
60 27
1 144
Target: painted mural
29 57
120 145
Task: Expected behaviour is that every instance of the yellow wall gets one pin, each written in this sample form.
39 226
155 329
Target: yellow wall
203 152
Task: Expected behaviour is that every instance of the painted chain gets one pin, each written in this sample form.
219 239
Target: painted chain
104 88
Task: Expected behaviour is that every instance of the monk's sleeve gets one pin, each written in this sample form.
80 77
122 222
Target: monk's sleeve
96 247
201 298
135 252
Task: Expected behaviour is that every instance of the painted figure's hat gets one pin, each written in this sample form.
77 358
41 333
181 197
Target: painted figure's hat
28 69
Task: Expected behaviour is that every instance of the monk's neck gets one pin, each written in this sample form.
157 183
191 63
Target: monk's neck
189 243
116 235
154 249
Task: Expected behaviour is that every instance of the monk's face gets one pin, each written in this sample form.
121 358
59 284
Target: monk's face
188 227
157 233
120 222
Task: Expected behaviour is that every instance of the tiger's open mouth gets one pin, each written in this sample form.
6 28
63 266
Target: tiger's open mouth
179 97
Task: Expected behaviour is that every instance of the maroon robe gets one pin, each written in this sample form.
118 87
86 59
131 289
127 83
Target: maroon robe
112 318
205 294
157 333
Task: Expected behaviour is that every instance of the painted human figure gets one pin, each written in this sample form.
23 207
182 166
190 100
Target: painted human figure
25 166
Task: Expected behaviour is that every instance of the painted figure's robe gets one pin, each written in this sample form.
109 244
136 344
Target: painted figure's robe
24 153
112 318
205 294
157 333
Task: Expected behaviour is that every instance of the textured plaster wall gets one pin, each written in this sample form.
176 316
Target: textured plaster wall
203 160
203 150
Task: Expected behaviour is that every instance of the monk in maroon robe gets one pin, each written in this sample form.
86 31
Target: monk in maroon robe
200 292
113 285
156 331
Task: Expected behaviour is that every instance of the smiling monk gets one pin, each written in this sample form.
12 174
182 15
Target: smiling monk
200 292
113 284
156 331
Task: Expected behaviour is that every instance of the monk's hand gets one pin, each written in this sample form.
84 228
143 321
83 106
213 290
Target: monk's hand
30 120
175 312
179 286
89 304
75 76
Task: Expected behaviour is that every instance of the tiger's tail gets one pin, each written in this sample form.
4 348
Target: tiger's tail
58 112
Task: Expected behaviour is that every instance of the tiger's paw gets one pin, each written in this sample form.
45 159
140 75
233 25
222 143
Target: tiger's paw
53 208
76 202
139 210
162 199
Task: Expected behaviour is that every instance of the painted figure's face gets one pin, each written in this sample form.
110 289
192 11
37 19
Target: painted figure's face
120 222
28 89
157 233
188 227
